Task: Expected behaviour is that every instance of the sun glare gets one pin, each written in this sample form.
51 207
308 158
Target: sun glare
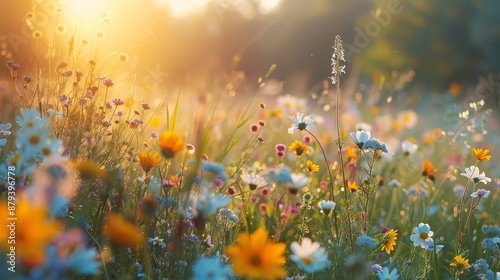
182 8
86 7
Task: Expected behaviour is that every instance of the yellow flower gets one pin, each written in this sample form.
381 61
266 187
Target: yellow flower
389 241
299 148
481 155
254 256
353 186
122 232
460 262
170 144
351 153
88 169
427 169
32 233
312 167
148 161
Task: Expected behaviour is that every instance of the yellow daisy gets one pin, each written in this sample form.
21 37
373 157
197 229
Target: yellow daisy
481 155
148 161
352 186
389 241
88 169
299 148
254 256
460 263
170 144
314 168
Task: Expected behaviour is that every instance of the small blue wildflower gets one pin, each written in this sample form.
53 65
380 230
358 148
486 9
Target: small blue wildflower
280 175
181 263
3 143
490 244
376 267
84 262
459 190
386 275
4 128
480 193
197 180
491 230
367 241
207 203
374 144
153 186
215 168
193 238
394 184
229 214
207 268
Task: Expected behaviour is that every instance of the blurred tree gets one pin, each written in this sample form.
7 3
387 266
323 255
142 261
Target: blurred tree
443 41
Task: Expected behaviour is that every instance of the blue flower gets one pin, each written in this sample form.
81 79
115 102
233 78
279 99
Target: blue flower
360 137
84 262
385 275
229 214
299 123
309 256
374 144
4 128
216 169
153 186
281 175
421 234
480 193
376 267
429 245
206 202
207 268
367 241
490 244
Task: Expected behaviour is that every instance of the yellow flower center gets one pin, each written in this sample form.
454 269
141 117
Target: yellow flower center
307 260
34 139
46 151
424 235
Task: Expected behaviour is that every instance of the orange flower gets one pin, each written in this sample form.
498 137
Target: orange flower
254 256
32 231
427 169
351 153
481 155
352 186
170 144
122 232
148 161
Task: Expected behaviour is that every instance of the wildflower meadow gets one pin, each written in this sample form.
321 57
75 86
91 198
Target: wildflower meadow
127 157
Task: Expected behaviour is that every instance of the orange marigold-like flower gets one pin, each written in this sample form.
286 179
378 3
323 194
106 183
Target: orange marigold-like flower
427 169
122 232
32 231
254 256
148 161
170 144
481 155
